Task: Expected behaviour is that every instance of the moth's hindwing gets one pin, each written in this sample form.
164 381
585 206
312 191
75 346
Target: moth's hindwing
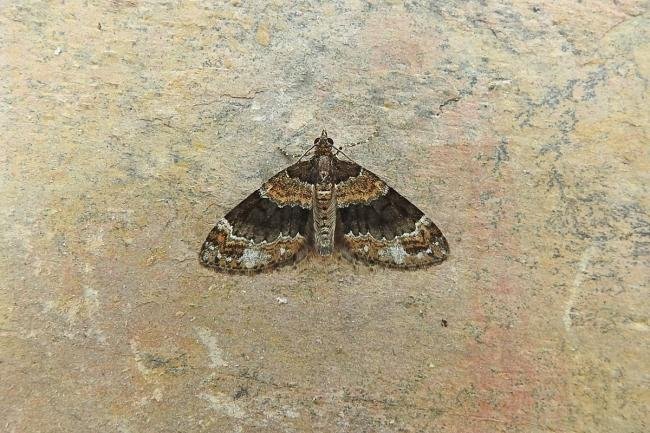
267 230
376 225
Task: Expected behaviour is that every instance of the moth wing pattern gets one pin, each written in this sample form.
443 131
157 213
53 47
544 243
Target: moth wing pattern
266 230
377 225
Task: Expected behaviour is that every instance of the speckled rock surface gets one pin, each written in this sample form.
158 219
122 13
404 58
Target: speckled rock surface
521 128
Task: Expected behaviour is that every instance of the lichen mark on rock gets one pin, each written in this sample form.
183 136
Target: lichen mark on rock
322 205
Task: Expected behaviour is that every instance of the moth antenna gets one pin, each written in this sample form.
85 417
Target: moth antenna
364 141
340 150
306 152
285 153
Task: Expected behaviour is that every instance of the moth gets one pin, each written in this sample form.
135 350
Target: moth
320 206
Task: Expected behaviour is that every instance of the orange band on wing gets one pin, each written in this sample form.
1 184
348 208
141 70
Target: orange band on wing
363 188
288 191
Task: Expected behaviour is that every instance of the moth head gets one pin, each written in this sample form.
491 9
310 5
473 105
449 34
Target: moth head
324 141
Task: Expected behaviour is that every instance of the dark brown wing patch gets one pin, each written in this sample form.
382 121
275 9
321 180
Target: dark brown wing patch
255 236
389 230
343 170
302 171
259 218
388 216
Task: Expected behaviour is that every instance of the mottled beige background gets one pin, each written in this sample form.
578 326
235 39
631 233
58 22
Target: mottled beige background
128 127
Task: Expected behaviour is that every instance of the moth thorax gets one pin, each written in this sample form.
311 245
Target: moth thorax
324 169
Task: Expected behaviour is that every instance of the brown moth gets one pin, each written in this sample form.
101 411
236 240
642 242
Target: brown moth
320 206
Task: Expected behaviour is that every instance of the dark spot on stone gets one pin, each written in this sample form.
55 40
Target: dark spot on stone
444 323
240 392
172 365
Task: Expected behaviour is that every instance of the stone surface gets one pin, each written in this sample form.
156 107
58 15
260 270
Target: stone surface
128 128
